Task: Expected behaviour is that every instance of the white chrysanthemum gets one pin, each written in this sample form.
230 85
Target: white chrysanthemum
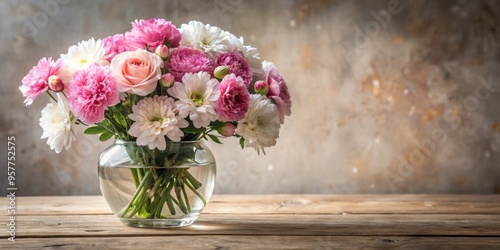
210 39
250 53
154 119
57 122
198 94
261 125
81 56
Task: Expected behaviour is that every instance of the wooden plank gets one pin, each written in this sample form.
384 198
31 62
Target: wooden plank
255 242
40 205
361 197
325 204
283 204
266 224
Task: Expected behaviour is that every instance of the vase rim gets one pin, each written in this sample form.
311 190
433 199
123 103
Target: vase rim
118 141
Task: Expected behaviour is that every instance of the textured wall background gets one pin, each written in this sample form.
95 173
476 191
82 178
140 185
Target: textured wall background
388 96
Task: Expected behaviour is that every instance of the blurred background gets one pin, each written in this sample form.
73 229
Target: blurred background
388 96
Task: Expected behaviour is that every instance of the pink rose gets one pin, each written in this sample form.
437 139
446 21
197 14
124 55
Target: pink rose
137 71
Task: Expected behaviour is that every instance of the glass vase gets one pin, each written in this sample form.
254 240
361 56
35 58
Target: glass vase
157 188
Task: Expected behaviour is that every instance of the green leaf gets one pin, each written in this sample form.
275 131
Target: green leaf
242 142
214 138
105 136
193 130
94 130
216 124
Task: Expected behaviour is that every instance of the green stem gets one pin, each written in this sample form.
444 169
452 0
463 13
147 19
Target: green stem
51 96
196 184
188 206
145 181
134 175
190 186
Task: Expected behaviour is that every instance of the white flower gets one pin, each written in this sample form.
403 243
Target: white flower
250 53
154 118
210 39
198 95
56 122
81 56
261 125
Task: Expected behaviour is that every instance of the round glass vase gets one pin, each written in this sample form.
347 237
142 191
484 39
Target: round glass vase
157 188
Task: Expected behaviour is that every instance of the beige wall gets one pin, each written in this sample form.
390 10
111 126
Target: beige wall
398 109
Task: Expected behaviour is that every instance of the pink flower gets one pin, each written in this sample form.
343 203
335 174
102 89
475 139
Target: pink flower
167 80
91 91
237 65
152 32
188 60
114 45
137 71
55 83
278 91
261 87
233 100
227 129
36 81
162 51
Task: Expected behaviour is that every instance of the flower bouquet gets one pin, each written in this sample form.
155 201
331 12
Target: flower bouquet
157 85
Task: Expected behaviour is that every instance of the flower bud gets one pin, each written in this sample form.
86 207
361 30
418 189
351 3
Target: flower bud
221 71
167 80
162 51
227 129
55 83
261 87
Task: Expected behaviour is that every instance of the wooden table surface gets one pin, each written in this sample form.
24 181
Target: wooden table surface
267 222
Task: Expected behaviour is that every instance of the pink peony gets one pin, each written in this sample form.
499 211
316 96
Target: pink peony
91 91
137 71
188 60
36 81
278 91
237 65
114 45
152 32
233 100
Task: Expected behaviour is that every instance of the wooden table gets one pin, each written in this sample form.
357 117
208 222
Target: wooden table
267 222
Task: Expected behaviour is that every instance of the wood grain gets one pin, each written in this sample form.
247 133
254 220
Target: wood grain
268 222
256 242
284 204
276 224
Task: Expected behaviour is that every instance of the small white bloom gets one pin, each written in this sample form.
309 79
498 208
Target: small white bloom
81 56
210 39
261 125
198 95
154 119
56 122
250 53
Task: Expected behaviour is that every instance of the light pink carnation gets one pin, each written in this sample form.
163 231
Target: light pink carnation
91 91
152 32
188 60
233 100
114 45
278 91
36 81
238 65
